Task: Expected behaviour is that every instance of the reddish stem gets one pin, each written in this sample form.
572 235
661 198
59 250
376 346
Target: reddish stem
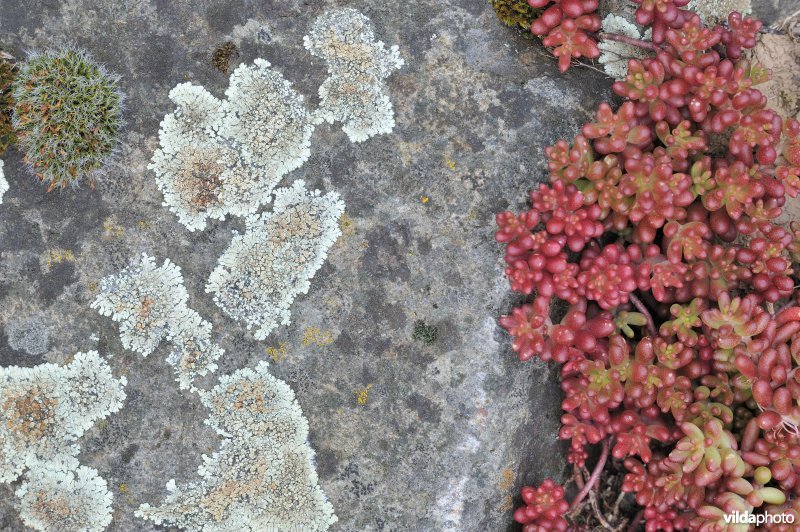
651 325
598 469
634 526
647 45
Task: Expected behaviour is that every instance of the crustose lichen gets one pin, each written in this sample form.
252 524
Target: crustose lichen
262 479
43 412
262 271
150 304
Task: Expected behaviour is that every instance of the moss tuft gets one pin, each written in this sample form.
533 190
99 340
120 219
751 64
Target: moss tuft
515 13
67 115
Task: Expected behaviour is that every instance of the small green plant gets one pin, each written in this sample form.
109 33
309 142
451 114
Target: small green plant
67 116
425 333
222 56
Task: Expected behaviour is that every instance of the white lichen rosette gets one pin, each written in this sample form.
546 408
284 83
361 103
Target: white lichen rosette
357 63
53 500
191 158
262 479
150 304
269 124
144 299
274 260
46 408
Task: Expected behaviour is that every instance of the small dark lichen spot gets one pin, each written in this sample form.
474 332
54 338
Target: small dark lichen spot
425 333
128 453
222 56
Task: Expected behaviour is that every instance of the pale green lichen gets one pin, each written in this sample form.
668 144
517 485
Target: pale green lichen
46 408
3 182
54 500
150 304
224 157
264 269
43 412
716 11
614 55
357 65
262 479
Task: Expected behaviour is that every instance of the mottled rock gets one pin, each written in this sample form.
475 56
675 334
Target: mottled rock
408 435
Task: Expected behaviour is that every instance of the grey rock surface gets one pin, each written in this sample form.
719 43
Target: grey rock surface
408 435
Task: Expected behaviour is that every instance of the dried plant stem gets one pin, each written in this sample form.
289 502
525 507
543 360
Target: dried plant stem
597 513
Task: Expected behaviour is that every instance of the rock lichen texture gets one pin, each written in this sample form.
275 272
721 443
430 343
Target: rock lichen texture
411 431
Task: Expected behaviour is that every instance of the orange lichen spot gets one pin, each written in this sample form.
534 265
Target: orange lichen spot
30 414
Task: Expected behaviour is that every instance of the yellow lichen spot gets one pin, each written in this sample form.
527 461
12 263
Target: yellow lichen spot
143 224
424 199
347 225
123 488
57 256
450 163
92 287
277 354
111 229
362 396
103 424
318 337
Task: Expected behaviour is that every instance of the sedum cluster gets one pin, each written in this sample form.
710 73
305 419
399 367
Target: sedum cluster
263 476
273 261
67 115
43 412
679 349
573 29
150 304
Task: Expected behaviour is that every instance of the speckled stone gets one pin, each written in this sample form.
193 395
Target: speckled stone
409 435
